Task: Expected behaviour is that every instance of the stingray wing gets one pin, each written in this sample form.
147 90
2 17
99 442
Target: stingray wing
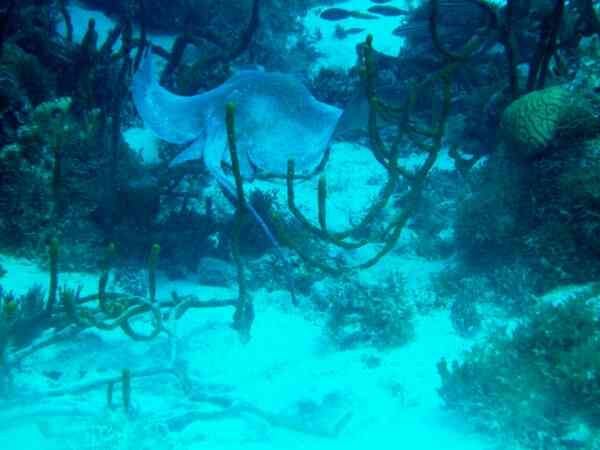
173 118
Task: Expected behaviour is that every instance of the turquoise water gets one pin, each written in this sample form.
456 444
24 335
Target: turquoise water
299 224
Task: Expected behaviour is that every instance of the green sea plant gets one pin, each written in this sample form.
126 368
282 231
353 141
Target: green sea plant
427 138
24 79
360 313
244 313
38 170
72 313
537 383
560 25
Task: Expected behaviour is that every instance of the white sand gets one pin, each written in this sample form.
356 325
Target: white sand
288 359
341 53
80 16
143 142
338 53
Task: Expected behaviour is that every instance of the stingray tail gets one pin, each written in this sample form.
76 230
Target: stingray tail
230 188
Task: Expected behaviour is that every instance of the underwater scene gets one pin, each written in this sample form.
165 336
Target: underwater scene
299 224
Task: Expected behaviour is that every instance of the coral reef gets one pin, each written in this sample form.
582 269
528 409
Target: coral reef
540 120
362 313
530 201
536 384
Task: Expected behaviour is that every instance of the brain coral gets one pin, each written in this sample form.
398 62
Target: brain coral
533 122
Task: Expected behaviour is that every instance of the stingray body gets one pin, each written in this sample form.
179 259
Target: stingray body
276 117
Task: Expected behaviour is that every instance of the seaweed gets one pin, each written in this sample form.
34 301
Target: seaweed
536 384
74 313
426 139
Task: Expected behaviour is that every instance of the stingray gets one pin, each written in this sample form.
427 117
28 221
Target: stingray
277 119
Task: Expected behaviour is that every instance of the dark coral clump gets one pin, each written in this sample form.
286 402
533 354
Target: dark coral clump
536 198
362 314
537 384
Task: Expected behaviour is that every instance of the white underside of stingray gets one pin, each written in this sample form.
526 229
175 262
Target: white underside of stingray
276 119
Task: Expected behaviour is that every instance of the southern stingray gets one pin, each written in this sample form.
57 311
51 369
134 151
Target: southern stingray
277 119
